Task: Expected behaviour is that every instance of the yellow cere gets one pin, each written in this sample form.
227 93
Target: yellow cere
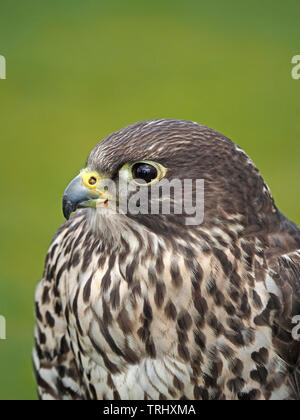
90 178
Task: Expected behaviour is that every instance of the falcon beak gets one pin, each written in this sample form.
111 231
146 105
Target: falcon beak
83 192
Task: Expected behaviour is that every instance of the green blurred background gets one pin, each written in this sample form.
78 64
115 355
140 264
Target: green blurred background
77 70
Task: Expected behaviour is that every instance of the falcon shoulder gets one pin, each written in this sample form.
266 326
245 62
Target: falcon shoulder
284 269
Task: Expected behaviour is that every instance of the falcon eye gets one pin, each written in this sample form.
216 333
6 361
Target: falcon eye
144 171
92 180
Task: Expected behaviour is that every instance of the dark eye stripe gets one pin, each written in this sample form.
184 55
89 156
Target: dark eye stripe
144 171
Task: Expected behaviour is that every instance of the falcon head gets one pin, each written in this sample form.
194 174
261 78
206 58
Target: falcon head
132 160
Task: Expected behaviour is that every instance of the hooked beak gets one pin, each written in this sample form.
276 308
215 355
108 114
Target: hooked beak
80 194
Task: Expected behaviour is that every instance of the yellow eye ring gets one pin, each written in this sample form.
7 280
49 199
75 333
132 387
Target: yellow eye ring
90 179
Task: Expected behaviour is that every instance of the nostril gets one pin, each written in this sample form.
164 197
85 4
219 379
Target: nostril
92 180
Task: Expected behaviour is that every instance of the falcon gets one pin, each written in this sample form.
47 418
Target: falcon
137 305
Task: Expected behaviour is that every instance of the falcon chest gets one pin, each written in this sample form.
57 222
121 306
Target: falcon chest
148 322
128 311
